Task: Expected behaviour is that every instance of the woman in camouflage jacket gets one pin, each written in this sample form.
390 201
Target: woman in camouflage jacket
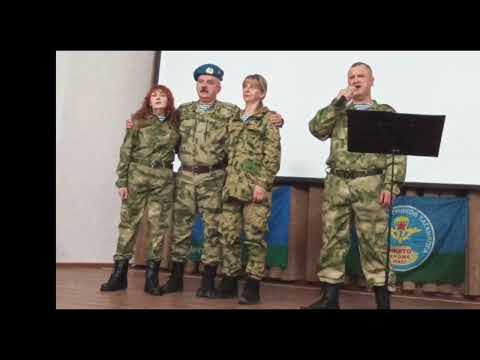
146 184
253 161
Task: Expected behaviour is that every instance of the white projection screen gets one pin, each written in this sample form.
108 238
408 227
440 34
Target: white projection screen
302 82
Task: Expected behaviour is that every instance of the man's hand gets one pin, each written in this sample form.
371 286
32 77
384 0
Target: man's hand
386 199
129 124
347 92
123 192
277 120
259 194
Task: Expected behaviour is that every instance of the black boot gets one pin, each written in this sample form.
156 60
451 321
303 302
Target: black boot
251 292
329 299
151 278
228 287
175 281
382 297
118 279
207 288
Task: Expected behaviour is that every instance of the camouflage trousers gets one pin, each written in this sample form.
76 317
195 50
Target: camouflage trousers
357 199
200 193
252 218
150 190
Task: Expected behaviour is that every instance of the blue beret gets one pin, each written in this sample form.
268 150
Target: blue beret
208 69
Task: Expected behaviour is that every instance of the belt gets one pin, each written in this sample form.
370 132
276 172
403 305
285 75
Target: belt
202 169
155 163
352 174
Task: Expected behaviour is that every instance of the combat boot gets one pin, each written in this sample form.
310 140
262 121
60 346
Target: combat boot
207 288
151 278
251 292
118 278
228 287
175 281
329 299
382 297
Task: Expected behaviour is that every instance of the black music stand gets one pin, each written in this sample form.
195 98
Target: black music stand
396 134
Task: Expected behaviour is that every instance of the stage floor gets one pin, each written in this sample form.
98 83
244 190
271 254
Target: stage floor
77 287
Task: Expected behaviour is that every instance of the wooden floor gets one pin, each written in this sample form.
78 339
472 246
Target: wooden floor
77 287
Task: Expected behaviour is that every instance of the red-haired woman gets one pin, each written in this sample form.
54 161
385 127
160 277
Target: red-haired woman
146 182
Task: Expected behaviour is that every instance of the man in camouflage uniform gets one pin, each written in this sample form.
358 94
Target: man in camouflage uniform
254 159
146 183
357 185
205 129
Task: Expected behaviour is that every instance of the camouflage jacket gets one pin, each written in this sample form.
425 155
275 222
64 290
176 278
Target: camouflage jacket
254 156
331 122
148 140
204 135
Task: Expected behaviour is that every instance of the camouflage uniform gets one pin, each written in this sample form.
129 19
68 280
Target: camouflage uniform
344 195
204 137
145 168
254 159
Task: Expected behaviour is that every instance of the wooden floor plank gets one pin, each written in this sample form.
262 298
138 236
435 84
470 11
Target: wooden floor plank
78 288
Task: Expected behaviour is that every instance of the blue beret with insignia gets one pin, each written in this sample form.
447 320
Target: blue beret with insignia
208 69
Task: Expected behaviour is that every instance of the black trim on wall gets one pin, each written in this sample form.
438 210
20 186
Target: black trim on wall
156 67
281 180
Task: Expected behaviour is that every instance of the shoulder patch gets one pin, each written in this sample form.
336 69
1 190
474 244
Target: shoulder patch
229 106
386 107
186 105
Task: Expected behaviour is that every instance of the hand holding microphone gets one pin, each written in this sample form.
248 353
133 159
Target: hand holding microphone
347 93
